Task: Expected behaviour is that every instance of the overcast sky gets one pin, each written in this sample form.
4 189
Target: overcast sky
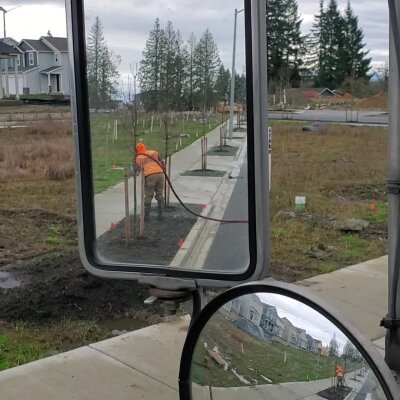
304 317
128 22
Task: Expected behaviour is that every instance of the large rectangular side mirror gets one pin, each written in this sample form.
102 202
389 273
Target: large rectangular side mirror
171 147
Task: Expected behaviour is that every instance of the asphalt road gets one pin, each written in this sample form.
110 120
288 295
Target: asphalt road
362 117
230 248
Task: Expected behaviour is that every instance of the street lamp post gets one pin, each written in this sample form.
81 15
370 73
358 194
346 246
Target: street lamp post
7 85
233 76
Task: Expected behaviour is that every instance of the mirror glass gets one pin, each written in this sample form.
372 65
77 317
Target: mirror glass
268 346
168 126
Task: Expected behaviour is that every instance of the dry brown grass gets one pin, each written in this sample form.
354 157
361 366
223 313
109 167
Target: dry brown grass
310 164
60 170
43 150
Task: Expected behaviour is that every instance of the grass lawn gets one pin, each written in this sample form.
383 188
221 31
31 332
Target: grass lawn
23 343
341 171
109 154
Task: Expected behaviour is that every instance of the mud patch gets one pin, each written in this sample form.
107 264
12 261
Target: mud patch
335 393
160 242
57 287
30 233
7 281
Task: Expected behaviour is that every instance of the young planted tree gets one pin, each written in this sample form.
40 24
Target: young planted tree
102 69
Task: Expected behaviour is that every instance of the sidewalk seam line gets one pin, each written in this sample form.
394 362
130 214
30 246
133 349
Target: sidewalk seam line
131 367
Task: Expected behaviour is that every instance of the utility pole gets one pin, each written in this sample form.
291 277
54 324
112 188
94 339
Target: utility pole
392 320
233 76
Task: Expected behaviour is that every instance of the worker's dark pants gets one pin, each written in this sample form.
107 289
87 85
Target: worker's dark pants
154 183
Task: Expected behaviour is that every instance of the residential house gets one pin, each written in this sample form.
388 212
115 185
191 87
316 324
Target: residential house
269 318
279 328
289 332
248 307
10 56
301 338
43 65
251 308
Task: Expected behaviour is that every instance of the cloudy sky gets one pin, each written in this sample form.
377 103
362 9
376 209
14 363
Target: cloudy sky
128 22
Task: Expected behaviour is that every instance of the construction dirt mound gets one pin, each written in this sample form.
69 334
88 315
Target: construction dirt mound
377 102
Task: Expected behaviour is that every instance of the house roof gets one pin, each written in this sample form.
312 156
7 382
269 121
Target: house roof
5 49
60 43
37 45
50 69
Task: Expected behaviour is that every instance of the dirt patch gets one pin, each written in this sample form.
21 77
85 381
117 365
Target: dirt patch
30 233
335 393
55 287
367 192
161 238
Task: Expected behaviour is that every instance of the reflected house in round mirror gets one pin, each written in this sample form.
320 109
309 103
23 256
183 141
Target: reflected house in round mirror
271 346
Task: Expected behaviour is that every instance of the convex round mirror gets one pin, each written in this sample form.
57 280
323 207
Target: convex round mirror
269 341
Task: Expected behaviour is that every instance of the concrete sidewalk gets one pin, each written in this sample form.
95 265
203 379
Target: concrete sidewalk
144 364
110 206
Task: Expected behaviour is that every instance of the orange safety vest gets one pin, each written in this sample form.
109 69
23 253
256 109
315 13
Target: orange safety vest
339 372
149 166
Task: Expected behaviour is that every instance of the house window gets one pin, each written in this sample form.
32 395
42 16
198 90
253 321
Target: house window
56 57
18 61
31 59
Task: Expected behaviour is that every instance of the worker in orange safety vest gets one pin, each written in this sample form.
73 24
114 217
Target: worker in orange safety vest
339 372
149 162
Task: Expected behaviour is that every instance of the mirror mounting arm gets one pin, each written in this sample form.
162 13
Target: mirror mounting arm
390 323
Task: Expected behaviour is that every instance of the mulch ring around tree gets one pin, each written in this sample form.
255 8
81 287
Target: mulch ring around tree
161 239
207 173
223 151
334 393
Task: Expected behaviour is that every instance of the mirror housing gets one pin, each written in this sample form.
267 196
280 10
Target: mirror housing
258 175
369 353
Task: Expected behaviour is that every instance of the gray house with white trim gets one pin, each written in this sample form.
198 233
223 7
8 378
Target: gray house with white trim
43 66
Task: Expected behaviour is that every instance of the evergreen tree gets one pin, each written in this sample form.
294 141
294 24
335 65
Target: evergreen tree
206 66
181 62
102 70
240 89
168 67
285 43
190 72
315 53
222 84
333 347
151 68
355 63
330 71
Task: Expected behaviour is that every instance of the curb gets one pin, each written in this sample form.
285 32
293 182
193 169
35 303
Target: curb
189 244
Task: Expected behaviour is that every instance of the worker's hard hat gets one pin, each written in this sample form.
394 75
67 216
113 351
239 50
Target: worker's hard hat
140 148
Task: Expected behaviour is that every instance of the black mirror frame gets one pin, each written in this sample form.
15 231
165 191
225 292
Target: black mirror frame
370 354
258 264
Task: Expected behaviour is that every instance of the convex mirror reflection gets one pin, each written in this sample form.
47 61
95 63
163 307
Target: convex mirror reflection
268 346
159 80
